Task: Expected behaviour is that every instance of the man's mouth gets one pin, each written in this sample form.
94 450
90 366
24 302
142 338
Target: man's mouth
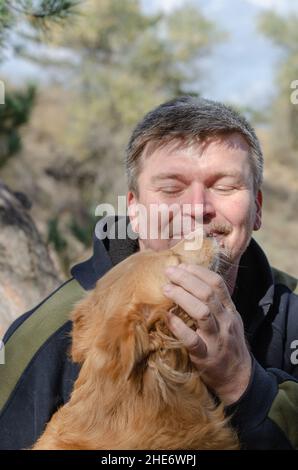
217 232
219 236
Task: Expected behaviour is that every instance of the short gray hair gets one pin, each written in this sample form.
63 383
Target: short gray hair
190 117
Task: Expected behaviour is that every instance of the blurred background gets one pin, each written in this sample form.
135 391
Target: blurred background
77 76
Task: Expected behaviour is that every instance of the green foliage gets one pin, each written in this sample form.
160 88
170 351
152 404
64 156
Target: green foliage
283 32
36 11
18 104
83 232
128 62
122 63
38 15
55 237
5 22
13 114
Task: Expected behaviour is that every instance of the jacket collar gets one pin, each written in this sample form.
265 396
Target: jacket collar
254 290
107 252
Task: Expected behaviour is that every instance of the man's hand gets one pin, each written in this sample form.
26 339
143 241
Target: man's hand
217 348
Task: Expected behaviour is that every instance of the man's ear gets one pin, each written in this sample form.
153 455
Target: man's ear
258 216
132 211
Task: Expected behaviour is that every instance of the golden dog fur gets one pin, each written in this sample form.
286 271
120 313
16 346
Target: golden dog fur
137 388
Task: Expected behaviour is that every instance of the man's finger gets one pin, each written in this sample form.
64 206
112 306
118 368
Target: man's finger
189 338
193 307
214 281
190 282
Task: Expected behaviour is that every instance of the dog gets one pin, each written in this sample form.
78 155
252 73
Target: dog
137 388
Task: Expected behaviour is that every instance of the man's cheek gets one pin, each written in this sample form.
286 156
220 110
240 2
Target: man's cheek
238 209
237 241
241 219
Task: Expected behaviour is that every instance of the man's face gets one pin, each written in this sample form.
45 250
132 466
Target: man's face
214 175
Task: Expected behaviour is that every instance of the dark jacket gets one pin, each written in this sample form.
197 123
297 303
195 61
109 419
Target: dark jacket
38 375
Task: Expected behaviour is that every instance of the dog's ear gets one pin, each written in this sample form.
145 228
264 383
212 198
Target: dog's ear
117 329
124 340
135 338
119 337
86 319
81 333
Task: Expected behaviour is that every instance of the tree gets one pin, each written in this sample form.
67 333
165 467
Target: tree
280 139
27 272
283 32
18 103
121 62
13 115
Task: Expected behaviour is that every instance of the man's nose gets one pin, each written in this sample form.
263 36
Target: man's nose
201 202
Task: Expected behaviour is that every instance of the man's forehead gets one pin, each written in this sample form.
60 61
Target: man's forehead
194 145
184 155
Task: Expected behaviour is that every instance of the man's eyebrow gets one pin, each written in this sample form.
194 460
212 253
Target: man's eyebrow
164 176
177 176
227 173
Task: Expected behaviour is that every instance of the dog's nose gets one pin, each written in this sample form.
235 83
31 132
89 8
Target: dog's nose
203 251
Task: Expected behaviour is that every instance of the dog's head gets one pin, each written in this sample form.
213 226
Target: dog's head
120 327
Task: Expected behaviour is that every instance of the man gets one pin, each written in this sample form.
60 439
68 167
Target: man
196 153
